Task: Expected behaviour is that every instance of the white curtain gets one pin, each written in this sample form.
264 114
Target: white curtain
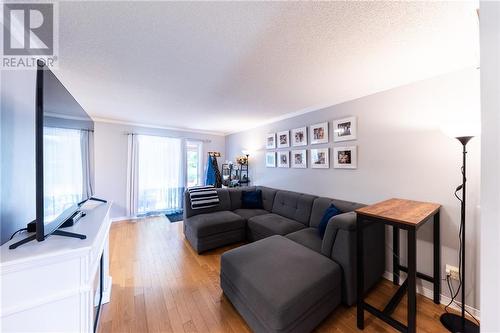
160 174
63 174
87 144
132 175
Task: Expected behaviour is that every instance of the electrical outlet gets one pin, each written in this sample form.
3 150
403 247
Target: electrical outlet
453 272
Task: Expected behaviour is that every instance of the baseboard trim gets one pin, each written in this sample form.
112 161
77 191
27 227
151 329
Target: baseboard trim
106 295
124 218
426 292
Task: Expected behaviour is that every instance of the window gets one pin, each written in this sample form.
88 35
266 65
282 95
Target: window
63 169
194 163
160 180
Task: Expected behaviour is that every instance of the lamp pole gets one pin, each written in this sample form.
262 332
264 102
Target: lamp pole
454 322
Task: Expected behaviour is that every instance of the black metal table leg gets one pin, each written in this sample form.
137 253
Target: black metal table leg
360 274
412 276
385 212
437 260
395 255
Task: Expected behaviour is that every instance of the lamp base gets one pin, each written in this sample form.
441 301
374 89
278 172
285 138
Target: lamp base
453 323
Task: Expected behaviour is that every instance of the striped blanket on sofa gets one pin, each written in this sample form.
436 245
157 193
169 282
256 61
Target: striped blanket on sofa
203 197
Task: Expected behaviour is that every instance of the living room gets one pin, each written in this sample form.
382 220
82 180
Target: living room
249 166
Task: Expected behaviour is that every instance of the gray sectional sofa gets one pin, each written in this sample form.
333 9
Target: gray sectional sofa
289 278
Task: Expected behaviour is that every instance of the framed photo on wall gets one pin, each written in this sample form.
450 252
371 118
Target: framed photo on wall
299 159
345 129
284 139
345 157
271 159
299 137
283 159
319 133
320 158
271 141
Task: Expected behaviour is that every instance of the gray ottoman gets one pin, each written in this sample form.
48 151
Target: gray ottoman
278 285
212 230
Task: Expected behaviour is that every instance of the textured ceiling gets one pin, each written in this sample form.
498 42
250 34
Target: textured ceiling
227 66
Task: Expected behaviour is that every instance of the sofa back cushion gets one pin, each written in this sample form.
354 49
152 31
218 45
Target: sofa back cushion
268 195
295 206
321 204
235 195
224 204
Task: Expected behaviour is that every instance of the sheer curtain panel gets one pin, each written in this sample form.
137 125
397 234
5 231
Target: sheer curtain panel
132 175
63 176
155 175
87 144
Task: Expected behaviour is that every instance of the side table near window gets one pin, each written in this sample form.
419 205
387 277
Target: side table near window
410 216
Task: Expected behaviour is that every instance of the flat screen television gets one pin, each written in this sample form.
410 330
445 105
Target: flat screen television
63 148
63 158
63 141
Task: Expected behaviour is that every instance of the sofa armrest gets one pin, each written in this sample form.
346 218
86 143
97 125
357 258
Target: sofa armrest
339 243
344 221
224 204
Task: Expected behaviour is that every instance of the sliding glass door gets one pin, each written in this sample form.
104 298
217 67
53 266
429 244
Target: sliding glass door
194 163
160 177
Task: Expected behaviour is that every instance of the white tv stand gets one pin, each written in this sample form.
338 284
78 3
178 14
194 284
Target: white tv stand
52 286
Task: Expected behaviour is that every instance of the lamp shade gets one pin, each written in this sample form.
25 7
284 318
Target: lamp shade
245 152
456 129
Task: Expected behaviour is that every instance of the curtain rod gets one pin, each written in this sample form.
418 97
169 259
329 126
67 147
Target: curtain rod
169 136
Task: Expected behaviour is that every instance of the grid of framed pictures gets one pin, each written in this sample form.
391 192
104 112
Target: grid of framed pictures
344 157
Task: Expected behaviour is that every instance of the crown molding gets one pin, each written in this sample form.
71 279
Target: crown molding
285 116
130 123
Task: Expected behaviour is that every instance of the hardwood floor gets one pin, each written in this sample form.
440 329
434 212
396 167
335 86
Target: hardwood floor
161 285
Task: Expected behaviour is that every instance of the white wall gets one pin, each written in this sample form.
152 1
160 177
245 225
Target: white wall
401 153
17 120
490 178
110 141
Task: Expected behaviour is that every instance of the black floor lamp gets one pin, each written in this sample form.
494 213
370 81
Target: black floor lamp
454 322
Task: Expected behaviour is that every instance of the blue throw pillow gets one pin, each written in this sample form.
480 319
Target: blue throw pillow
329 213
251 199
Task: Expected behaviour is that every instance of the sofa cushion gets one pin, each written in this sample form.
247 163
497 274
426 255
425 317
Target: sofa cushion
321 204
235 195
279 280
309 237
251 199
268 195
249 213
295 206
213 223
273 224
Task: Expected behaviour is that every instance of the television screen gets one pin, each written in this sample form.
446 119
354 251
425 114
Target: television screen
66 145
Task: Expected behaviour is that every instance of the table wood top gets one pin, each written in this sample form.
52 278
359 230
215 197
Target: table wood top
401 210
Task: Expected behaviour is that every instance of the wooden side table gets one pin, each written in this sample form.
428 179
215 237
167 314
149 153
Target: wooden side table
408 215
